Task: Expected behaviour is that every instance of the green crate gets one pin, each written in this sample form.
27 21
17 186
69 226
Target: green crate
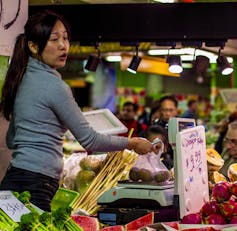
64 198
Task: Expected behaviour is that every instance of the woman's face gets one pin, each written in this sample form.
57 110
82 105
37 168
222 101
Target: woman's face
57 47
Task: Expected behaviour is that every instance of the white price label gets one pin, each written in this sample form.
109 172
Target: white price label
12 206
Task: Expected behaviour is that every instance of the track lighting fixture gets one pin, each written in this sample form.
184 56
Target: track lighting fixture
175 64
134 62
223 64
93 61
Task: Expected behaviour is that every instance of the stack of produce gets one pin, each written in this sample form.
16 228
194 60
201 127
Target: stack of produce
59 220
116 167
149 168
90 167
214 164
92 224
6 223
232 172
221 209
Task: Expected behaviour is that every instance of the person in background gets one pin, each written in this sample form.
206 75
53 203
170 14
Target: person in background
128 117
156 131
191 112
223 129
41 107
154 114
154 117
168 108
229 153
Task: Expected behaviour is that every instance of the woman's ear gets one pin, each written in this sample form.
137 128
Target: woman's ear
33 48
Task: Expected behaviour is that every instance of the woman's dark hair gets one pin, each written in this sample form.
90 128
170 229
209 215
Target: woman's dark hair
37 29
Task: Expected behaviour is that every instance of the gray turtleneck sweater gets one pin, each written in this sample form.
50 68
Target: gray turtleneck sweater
44 109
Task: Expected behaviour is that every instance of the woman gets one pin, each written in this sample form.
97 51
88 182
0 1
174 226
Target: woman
40 107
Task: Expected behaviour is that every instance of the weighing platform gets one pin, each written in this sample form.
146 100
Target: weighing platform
128 201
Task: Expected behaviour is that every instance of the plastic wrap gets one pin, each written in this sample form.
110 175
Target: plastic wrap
149 168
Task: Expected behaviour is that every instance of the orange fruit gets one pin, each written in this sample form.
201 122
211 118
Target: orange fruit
214 160
232 172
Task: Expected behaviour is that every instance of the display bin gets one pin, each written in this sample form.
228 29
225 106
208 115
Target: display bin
64 198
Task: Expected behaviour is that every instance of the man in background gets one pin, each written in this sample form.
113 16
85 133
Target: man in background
168 108
128 117
229 153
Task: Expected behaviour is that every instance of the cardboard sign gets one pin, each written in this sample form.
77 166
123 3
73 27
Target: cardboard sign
192 167
13 16
12 206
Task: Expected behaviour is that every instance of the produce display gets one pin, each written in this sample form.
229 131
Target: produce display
221 209
149 168
116 167
232 172
214 164
35 220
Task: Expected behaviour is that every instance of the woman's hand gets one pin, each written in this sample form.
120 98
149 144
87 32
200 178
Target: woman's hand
140 145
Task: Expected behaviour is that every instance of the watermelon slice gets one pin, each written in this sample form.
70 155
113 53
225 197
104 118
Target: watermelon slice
113 228
140 222
86 222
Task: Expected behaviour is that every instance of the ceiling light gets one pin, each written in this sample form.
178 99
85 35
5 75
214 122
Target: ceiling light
93 61
188 51
165 1
175 65
113 58
224 65
134 63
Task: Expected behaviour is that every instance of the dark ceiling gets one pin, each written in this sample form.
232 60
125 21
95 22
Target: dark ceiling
129 24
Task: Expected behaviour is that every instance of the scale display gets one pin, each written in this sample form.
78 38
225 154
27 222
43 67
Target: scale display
105 122
177 125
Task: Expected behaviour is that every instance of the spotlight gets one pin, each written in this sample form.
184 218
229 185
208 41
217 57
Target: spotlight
134 63
93 61
175 65
224 65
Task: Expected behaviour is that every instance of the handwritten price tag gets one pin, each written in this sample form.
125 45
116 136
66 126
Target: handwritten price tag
192 167
12 206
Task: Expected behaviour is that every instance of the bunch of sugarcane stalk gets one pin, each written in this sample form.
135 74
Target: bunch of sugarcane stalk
117 166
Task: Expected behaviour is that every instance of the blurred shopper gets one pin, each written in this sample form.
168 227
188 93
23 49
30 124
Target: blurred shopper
229 153
223 126
168 108
41 107
154 114
128 117
156 131
192 111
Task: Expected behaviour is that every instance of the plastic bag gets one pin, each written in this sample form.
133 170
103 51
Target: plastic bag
149 168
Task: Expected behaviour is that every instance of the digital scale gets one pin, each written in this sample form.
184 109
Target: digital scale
130 200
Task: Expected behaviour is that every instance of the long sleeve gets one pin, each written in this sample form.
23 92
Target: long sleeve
63 103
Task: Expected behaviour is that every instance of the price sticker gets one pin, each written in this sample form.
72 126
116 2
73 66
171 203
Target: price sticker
12 206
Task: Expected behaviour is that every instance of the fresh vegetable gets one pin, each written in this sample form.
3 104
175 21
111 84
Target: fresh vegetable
6 223
63 221
117 166
31 222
